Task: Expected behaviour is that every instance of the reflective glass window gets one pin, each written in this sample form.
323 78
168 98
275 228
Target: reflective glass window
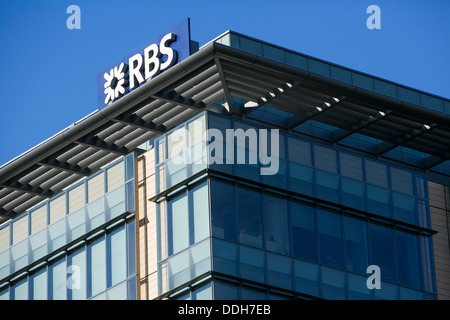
225 257
304 231
355 245
378 193
249 214
57 280
408 259
223 214
352 180
199 212
330 239
276 226
77 274
117 256
19 291
333 284
252 264
225 291
357 288
307 277
97 266
38 285
279 271
178 222
327 180
382 250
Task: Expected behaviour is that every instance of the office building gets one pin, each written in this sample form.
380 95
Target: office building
127 203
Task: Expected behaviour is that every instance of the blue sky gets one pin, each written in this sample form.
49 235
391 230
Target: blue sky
48 72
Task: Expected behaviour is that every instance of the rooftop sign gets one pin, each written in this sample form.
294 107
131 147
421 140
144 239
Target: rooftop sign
144 64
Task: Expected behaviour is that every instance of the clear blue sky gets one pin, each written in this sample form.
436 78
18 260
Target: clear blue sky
48 72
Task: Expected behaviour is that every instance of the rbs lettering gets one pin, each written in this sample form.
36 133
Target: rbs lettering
140 68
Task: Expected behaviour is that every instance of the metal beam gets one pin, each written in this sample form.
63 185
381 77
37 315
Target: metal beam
138 122
342 133
386 146
225 86
178 99
27 188
295 121
65 166
97 143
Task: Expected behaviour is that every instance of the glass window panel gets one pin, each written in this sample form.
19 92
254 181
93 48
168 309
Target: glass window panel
319 67
385 88
307 277
376 174
77 197
223 213
382 251
427 266
325 159
4 264
408 259
176 141
351 166
119 292
249 216
304 231
132 290
77 273
225 257
179 269
353 193
333 284
225 291
19 255
410 294
248 293
117 247
19 291
327 186
178 224
200 214
4 294
355 245
273 53
432 102
131 251
362 81
129 167
388 291
404 207
176 170
57 235
203 293
38 219
197 129
130 195
330 239
115 202
38 245
341 74
301 178
97 266
58 208
252 264
76 224
217 155
279 271
378 200
251 46
115 176
200 259
96 213
276 226
409 95
5 237
96 187
296 60
38 285
57 278
402 181
357 288
20 229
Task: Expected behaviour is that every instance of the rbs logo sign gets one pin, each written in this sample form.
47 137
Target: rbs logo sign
146 63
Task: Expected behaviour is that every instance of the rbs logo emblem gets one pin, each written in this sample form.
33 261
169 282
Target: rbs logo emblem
140 68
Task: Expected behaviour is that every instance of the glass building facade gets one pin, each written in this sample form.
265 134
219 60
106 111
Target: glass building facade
230 183
79 245
310 231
